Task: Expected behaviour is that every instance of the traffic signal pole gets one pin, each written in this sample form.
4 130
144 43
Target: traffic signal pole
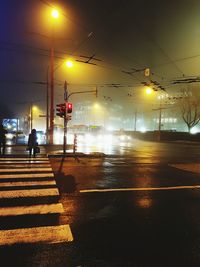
51 132
65 134
65 119
63 111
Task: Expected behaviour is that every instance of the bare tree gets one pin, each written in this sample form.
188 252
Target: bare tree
190 108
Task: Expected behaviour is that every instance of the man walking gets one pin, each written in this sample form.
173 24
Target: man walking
32 143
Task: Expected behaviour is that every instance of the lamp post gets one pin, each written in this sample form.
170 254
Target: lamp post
31 116
55 15
32 109
47 106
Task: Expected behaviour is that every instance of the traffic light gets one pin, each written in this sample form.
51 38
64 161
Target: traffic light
69 107
60 110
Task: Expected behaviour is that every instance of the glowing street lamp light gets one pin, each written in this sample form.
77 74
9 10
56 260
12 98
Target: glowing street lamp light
55 14
148 90
69 64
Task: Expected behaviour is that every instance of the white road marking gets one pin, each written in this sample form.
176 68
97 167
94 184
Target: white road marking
191 167
31 169
34 209
46 234
20 165
27 183
25 158
141 189
29 193
46 163
24 161
26 175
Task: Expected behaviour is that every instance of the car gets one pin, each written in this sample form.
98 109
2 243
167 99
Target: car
15 137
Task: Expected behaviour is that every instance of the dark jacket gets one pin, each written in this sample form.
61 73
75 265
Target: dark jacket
32 140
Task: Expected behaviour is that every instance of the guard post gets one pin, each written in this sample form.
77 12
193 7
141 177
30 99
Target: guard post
75 144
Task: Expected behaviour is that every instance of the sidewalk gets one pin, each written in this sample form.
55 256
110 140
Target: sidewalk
20 150
48 150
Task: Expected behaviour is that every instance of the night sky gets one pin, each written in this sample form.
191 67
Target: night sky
126 36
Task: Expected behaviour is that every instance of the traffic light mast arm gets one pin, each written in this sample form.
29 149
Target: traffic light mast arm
79 92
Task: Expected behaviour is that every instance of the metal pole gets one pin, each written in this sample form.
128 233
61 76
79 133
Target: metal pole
135 121
65 135
31 116
17 131
47 107
65 119
159 123
52 91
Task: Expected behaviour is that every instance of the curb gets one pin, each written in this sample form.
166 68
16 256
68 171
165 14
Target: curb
77 155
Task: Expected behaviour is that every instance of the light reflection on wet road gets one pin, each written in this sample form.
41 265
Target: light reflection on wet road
134 228
126 228
148 152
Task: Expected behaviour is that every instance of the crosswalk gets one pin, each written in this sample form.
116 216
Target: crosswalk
29 203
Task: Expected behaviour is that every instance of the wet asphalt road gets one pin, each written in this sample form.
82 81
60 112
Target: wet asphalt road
144 227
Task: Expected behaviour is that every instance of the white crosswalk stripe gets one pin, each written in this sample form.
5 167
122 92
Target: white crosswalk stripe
30 165
28 193
29 183
31 169
26 175
23 161
24 158
34 209
49 234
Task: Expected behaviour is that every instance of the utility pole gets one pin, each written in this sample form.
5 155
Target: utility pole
65 119
159 121
47 106
31 116
52 89
135 121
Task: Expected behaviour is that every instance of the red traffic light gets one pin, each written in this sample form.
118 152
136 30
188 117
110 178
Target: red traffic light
69 107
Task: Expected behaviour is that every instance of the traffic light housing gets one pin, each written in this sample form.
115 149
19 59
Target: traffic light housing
69 107
61 110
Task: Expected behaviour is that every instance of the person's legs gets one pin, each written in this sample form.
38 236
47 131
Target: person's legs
34 152
30 151
1 147
4 147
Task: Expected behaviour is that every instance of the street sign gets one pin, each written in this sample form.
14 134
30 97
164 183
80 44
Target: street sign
42 116
147 72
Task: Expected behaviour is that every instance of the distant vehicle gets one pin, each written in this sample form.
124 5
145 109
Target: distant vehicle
15 137
41 137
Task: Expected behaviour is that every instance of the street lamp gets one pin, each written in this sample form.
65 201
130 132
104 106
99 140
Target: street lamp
55 15
69 64
148 90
